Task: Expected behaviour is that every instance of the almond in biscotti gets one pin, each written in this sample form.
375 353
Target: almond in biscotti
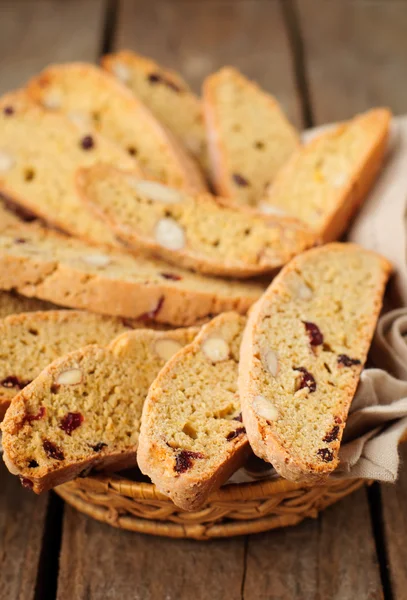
191 437
295 417
200 232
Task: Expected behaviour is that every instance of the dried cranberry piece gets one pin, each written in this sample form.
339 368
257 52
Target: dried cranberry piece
158 78
171 276
234 434
70 422
14 382
8 111
151 314
326 454
347 361
87 142
184 460
338 420
27 483
240 180
99 446
332 435
238 418
20 241
307 379
314 333
52 450
33 464
55 388
40 414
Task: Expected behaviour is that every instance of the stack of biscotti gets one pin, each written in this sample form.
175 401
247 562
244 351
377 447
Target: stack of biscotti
43 264
83 411
280 382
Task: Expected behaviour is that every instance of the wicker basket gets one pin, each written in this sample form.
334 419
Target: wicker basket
235 509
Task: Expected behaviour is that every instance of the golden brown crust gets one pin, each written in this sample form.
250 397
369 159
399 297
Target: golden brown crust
335 173
277 417
191 437
210 237
43 264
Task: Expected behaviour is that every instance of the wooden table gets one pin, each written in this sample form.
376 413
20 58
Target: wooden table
324 60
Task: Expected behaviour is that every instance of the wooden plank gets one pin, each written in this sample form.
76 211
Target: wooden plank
395 529
22 518
98 562
33 34
333 557
355 56
197 38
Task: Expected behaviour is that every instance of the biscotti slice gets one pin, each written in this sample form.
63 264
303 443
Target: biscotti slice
12 304
191 230
83 411
95 99
303 349
166 94
249 137
31 341
40 153
191 437
326 181
43 264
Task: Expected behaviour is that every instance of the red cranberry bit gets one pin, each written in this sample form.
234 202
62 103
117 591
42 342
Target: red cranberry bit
326 454
52 450
158 78
234 434
332 435
70 422
338 420
87 142
154 78
40 414
20 241
238 418
151 314
171 276
27 483
307 379
14 382
315 336
184 460
240 180
347 361
8 111
99 446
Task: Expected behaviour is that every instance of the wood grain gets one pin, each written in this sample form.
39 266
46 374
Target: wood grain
333 557
22 518
395 529
33 34
197 38
355 55
99 562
